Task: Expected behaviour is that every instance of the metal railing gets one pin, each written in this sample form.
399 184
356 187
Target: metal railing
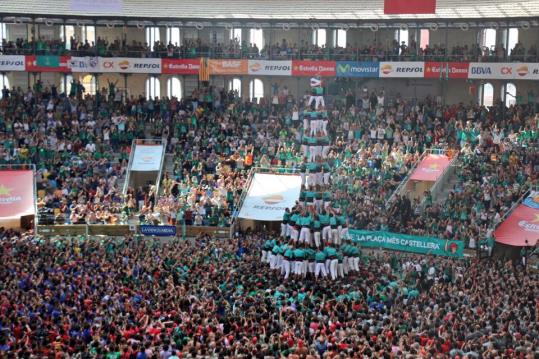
336 54
160 142
403 183
437 187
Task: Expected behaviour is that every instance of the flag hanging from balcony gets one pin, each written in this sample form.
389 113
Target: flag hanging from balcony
204 72
393 7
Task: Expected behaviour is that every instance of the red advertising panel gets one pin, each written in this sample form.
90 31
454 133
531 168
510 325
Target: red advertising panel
180 66
436 70
409 6
430 168
313 68
47 63
16 193
522 225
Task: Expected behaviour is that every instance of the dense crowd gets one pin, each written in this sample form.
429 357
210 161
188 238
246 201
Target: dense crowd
134 298
283 49
80 145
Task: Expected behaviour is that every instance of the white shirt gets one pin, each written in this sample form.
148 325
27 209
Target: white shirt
90 147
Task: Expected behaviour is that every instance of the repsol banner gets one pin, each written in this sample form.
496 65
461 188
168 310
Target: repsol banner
12 63
163 231
270 68
357 69
406 69
407 243
129 65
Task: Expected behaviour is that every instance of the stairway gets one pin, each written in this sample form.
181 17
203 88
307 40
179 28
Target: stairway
442 197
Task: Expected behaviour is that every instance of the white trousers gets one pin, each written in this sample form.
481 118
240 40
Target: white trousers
283 229
317 239
318 100
320 268
305 235
344 233
326 233
294 234
333 268
340 270
326 178
335 236
286 268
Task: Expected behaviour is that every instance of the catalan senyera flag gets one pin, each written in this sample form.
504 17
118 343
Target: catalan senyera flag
204 73
394 7
16 193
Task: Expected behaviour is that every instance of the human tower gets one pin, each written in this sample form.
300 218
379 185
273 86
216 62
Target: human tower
314 239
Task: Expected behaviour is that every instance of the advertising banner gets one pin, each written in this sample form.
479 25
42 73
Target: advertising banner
357 69
522 224
180 66
12 63
129 65
407 243
394 7
445 70
403 69
430 168
269 195
93 6
270 68
527 71
147 158
228 67
16 193
84 64
313 68
163 231
47 63
499 71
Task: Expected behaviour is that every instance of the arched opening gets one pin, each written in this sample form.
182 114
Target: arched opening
235 85
488 39
173 36
153 87
256 90
339 38
319 37
89 84
4 82
509 94
486 94
65 86
174 88
257 38
152 36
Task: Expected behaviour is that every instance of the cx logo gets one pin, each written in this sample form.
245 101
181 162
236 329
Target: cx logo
507 70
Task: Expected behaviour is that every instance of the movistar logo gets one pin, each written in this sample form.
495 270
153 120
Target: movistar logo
343 68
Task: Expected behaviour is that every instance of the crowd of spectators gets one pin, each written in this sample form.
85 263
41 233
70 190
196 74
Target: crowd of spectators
304 50
80 145
134 298
374 143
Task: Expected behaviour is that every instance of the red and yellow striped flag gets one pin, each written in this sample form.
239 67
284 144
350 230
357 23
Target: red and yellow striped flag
204 72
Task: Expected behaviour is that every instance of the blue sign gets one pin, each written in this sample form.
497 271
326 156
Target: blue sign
165 231
357 69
